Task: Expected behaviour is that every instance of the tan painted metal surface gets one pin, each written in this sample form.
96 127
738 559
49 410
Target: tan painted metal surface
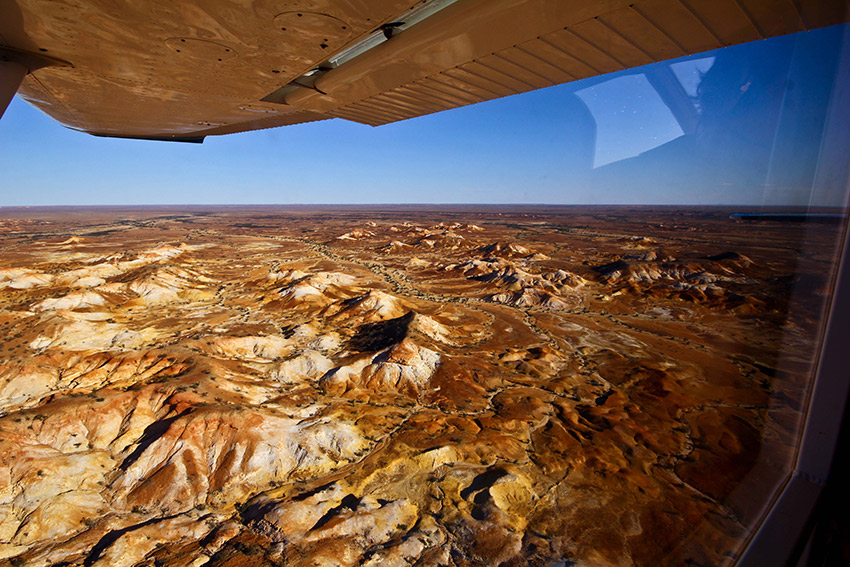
161 68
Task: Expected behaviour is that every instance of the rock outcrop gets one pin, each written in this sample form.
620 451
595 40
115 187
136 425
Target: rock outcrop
545 387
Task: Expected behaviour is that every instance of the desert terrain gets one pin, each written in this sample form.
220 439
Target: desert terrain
457 386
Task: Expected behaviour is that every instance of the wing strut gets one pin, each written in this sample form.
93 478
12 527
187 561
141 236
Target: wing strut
11 75
14 66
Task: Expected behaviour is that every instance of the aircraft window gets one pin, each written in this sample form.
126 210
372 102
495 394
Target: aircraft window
629 377
757 127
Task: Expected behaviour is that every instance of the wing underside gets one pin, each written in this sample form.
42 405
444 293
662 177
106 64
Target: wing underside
185 70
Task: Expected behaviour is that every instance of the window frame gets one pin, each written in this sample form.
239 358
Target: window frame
790 521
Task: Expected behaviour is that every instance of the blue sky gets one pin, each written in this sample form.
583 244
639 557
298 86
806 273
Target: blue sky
491 151
564 144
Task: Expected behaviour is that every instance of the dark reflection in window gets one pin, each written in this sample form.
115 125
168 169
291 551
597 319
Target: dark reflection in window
742 125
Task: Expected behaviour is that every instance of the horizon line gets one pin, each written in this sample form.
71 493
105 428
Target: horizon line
345 205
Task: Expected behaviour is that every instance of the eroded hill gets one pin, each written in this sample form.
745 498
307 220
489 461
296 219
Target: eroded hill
397 387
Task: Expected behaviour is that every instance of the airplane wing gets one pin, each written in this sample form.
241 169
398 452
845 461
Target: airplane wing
161 69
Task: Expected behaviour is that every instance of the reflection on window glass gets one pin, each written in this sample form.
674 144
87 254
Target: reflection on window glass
744 126
691 72
630 118
753 128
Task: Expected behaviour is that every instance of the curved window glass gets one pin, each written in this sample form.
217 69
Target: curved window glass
625 376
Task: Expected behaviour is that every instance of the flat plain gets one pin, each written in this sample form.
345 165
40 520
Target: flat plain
399 385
